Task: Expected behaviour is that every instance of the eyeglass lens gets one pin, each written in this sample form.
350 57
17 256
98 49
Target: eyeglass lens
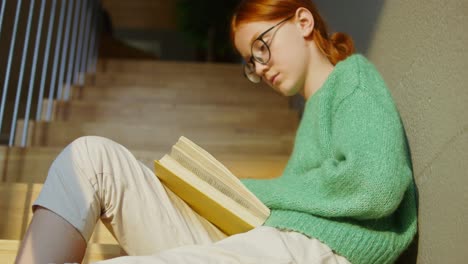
249 72
260 51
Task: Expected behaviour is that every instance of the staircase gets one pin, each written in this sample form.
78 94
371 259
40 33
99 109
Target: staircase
147 105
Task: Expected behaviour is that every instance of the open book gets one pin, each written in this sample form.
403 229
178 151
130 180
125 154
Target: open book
210 188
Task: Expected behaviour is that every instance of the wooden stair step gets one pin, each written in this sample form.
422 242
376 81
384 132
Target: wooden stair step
31 165
95 252
155 95
177 115
15 203
235 78
176 80
146 106
163 67
215 140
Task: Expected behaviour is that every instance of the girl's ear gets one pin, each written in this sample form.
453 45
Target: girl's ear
305 21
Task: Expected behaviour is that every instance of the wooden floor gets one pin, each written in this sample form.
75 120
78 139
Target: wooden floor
147 106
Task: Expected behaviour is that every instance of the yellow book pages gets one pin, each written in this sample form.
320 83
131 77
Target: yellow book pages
190 152
227 184
217 208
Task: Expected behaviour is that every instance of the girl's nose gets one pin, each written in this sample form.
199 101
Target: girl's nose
260 69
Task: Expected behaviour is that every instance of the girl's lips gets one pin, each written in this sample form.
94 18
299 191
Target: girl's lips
272 80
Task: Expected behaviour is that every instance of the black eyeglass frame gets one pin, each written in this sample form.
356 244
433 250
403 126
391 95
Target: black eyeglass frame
253 58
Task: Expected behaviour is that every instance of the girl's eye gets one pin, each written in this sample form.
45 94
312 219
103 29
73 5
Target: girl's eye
262 48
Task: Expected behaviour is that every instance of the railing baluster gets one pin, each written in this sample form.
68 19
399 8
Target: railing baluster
72 49
33 74
79 49
20 80
64 51
93 37
10 58
98 38
84 55
2 13
76 50
58 41
46 59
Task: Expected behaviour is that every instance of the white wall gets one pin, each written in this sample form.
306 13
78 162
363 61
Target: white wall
420 47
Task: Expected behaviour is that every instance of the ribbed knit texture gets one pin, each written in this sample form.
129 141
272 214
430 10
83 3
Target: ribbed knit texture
348 182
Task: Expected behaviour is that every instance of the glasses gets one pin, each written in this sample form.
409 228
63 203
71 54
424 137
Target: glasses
260 53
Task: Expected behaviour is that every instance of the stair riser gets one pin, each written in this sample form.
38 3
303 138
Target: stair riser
201 81
183 118
164 95
162 67
161 139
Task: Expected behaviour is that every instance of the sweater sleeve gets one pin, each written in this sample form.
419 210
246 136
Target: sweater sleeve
365 176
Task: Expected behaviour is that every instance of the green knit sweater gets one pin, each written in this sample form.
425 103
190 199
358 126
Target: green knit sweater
349 181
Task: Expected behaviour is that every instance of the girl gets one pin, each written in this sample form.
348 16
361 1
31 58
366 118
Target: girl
345 196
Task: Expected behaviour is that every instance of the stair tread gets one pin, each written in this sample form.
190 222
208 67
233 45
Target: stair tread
31 164
157 132
181 88
173 106
109 81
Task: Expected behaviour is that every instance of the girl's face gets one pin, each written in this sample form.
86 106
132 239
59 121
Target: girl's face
287 66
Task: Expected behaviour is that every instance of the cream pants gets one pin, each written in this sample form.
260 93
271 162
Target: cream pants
95 178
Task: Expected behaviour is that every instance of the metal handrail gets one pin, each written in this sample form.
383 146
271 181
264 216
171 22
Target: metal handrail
74 36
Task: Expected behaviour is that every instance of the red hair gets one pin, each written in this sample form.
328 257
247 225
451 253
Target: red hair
336 47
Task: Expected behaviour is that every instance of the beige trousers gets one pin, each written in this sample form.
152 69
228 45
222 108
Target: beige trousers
95 178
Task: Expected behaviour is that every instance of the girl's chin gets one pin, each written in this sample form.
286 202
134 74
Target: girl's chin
283 88
289 93
286 90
